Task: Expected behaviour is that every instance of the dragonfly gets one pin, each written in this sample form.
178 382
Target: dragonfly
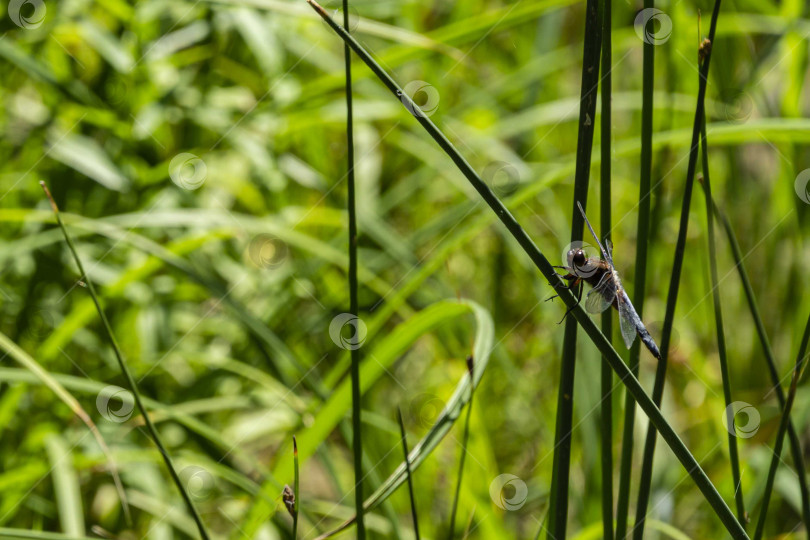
606 289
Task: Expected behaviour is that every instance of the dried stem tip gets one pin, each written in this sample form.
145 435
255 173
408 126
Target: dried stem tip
317 7
50 197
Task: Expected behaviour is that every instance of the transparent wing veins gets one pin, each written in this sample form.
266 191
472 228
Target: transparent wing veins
626 323
601 297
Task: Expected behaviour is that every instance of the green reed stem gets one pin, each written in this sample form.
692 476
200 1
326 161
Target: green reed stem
561 466
408 473
640 285
645 479
296 491
793 438
541 262
721 337
606 377
133 387
780 436
357 433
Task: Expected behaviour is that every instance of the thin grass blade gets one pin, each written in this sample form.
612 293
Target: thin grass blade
133 387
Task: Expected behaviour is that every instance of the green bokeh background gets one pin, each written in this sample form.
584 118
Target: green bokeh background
101 97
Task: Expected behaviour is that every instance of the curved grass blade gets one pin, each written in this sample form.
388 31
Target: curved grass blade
484 340
645 478
465 438
718 322
27 534
65 485
133 387
780 436
625 376
408 472
56 387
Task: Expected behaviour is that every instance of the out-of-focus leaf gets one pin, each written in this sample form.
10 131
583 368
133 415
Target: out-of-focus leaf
67 493
87 157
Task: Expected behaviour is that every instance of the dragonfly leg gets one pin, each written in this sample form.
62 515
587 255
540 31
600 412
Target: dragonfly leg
562 285
579 299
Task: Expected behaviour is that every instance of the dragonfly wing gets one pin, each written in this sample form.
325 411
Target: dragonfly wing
626 323
600 297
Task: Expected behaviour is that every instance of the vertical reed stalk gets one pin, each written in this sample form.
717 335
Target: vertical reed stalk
408 472
296 492
357 438
565 398
645 479
606 378
780 436
721 337
793 438
640 285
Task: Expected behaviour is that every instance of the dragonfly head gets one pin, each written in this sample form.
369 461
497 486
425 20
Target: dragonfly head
577 258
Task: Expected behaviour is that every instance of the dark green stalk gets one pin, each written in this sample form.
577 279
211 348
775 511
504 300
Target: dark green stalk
780 436
606 379
542 263
645 478
133 387
565 397
408 471
793 438
296 492
721 337
640 285
465 438
357 438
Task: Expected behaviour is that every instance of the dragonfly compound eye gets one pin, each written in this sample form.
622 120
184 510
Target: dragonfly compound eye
579 258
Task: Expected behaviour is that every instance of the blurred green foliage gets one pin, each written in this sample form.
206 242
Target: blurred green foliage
196 149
